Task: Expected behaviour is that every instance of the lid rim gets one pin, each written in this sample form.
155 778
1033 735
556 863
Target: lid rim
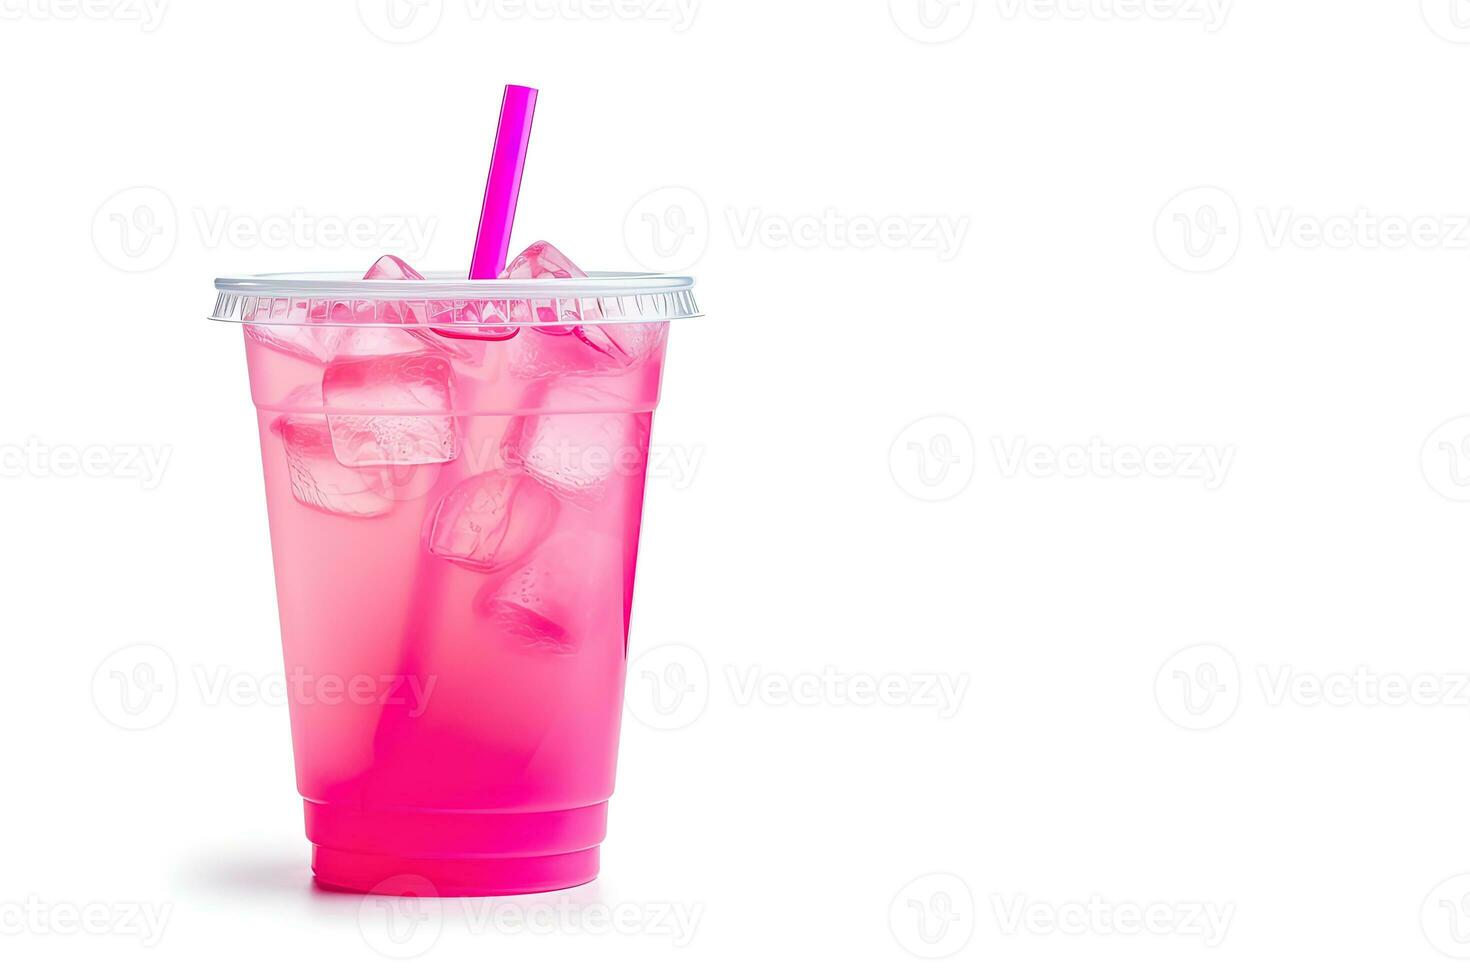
448 285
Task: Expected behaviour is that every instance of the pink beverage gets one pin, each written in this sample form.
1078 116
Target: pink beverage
454 476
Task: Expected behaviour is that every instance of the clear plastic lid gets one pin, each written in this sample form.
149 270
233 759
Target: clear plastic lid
346 299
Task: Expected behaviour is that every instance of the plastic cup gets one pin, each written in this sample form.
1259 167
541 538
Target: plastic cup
454 476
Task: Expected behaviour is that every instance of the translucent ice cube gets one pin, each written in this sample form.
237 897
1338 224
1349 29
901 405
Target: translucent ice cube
626 344
289 326
547 348
356 342
491 521
391 267
535 355
414 388
574 455
566 595
520 621
542 260
318 480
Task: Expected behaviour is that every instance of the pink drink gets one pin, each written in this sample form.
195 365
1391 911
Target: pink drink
454 476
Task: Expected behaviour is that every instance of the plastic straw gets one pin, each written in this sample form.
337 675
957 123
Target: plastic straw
503 186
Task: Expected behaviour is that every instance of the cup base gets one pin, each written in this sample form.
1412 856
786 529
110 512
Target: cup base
453 852
386 874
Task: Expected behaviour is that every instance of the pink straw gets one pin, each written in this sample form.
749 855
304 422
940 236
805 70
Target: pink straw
503 187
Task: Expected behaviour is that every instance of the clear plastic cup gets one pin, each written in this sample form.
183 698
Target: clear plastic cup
454 476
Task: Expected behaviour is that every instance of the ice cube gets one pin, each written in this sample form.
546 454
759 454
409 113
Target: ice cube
575 454
532 629
626 344
491 521
547 349
542 260
535 355
360 342
281 325
414 388
318 480
564 597
391 267
287 325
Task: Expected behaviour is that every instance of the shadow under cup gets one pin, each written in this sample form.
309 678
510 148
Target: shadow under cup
454 477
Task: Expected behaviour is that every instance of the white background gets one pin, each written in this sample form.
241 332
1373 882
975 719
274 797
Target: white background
1091 772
